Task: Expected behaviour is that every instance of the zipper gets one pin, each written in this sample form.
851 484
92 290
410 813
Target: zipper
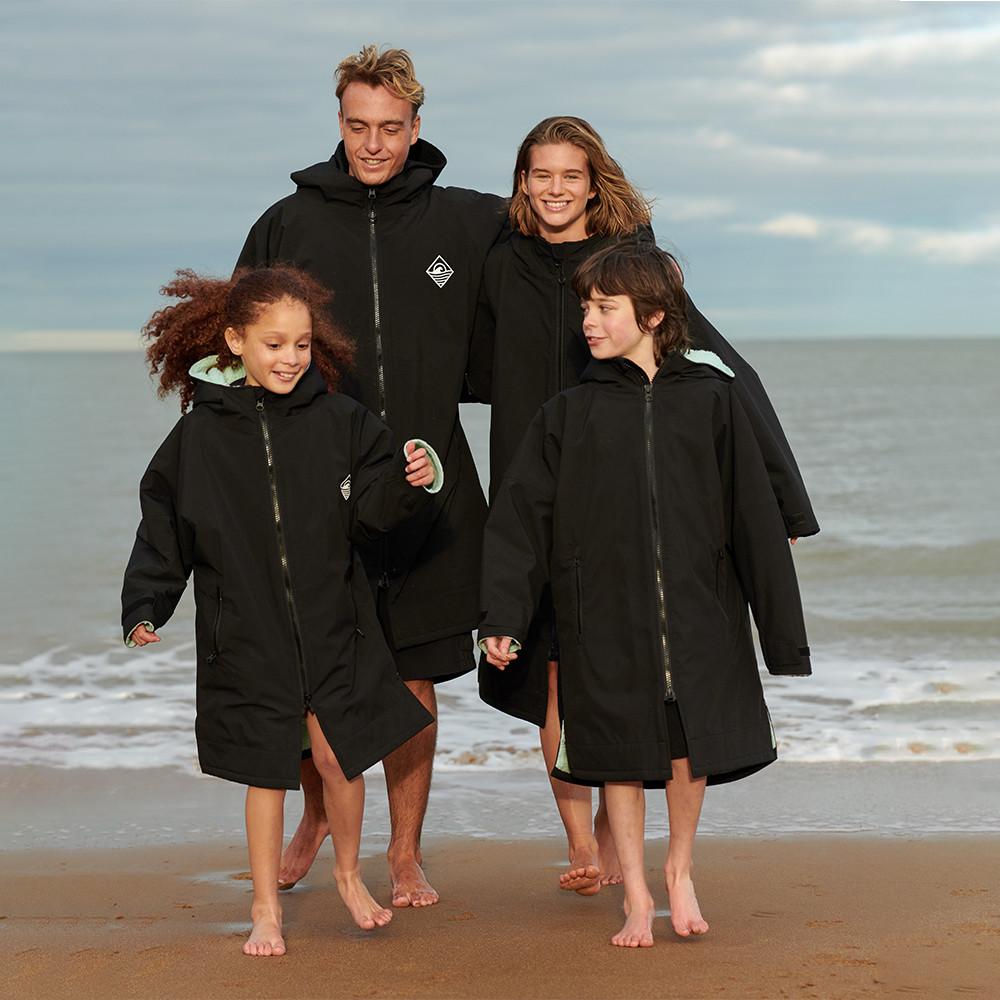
214 655
579 599
661 602
383 580
373 258
560 324
283 552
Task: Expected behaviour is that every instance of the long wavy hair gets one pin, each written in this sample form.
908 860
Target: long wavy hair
653 281
617 208
193 328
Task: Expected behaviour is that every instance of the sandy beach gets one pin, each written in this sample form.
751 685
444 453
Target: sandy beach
791 917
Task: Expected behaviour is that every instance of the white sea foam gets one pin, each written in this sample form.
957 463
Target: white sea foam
120 708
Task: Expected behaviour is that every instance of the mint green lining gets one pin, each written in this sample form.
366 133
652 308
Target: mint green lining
515 646
438 482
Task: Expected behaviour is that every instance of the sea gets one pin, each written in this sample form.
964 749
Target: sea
898 443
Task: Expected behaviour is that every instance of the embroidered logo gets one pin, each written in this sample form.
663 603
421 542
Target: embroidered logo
440 271
345 488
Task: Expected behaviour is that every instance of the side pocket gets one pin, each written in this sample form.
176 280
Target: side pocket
720 581
579 599
214 655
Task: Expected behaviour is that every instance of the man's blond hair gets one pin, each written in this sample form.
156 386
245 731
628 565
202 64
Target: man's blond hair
392 69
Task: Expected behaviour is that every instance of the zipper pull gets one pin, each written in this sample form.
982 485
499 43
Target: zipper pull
260 405
371 205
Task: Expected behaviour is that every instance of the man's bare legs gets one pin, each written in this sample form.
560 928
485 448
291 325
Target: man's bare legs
312 830
684 798
574 803
345 809
408 781
265 815
626 803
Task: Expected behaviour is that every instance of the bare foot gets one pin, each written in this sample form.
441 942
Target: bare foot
366 912
638 929
607 856
265 939
409 885
584 879
299 855
685 914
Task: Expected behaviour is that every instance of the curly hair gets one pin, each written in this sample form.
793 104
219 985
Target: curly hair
617 208
193 328
392 69
653 282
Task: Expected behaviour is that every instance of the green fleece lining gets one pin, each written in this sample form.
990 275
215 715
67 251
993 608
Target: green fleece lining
515 646
562 758
709 358
208 370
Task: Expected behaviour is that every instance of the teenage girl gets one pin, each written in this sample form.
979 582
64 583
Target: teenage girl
642 498
570 199
263 489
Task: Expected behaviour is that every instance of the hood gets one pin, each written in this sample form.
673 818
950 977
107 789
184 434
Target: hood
422 168
690 364
223 389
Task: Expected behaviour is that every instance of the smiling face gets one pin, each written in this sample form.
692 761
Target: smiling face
275 347
611 329
378 130
558 186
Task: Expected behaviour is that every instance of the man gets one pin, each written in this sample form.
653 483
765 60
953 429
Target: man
403 257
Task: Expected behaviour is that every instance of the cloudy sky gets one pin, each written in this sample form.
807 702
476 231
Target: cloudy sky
824 167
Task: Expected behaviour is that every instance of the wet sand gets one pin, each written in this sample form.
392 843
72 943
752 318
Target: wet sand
816 916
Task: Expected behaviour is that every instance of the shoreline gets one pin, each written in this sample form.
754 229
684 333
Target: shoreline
77 809
800 917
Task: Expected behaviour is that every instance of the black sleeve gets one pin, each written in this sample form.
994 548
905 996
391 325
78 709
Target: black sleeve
159 566
761 553
380 496
479 374
782 469
261 246
517 543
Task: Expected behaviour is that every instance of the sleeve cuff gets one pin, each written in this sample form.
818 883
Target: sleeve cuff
515 646
435 486
129 641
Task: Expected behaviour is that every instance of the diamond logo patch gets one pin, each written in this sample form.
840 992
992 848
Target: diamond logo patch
440 271
345 488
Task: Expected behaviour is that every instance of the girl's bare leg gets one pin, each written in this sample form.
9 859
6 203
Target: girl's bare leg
345 809
626 803
607 857
684 798
573 803
265 814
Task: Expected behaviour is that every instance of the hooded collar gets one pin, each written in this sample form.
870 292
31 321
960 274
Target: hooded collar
690 364
333 179
224 389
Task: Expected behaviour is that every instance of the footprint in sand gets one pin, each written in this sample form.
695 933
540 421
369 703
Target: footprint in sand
242 876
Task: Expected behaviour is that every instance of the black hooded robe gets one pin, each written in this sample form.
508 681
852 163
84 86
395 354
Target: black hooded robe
528 345
649 510
404 261
265 498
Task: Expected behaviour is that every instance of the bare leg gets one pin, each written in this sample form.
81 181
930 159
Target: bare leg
408 781
265 820
607 856
684 798
345 810
573 802
626 802
312 830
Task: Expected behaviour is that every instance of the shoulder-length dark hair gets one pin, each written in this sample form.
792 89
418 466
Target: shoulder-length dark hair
652 280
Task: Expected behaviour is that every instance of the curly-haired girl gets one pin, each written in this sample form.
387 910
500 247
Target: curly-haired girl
263 490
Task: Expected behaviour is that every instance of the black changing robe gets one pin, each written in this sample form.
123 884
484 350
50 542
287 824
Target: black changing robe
620 484
404 261
528 344
264 496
